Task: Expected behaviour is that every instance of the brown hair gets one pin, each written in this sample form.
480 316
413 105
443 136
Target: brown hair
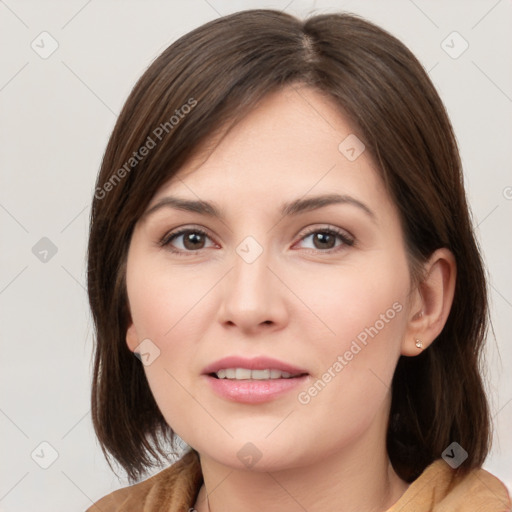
220 71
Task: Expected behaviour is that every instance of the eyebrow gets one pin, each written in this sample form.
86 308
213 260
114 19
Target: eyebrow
288 209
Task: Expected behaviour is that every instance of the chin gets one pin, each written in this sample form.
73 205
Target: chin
258 455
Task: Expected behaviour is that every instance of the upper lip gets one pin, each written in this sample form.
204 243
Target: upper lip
256 363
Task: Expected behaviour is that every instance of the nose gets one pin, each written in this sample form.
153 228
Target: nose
253 298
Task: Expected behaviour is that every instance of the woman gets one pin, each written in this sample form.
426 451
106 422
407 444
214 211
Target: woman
280 236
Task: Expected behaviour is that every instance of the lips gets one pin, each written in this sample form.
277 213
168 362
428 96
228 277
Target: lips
259 364
246 374
253 381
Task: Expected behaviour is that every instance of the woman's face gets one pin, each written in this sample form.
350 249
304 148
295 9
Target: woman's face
289 258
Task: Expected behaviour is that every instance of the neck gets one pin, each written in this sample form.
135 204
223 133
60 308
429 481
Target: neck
356 478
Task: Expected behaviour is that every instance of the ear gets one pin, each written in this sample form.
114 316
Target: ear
431 302
132 340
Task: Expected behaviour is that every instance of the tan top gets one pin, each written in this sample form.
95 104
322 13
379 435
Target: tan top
436 490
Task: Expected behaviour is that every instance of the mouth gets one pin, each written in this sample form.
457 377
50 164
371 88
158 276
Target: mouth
253 381
247 374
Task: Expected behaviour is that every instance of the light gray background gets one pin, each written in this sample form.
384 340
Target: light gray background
56 116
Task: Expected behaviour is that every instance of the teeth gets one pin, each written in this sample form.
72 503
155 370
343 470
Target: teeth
260 374
246 374
242 374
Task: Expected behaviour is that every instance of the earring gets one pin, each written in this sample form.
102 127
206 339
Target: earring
419 343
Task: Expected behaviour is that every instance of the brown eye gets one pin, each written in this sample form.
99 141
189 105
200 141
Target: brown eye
186 240
193 240
324 240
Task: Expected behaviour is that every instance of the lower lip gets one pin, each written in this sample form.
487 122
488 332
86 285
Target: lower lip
254 391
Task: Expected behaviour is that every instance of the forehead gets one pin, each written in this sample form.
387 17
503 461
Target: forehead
293 143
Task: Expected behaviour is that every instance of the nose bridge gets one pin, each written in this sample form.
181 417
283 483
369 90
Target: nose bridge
251 295
250 275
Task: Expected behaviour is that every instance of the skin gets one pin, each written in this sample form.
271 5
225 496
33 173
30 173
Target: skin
299 302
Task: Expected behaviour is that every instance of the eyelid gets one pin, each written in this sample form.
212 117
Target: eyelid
174 233
347 238
324 227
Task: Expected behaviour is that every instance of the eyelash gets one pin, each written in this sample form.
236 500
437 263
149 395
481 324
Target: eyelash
342 235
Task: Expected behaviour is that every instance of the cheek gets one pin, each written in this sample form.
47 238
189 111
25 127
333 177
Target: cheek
348 300
163 300
361 314
172 309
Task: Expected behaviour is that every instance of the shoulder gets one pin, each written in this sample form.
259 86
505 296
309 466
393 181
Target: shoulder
440 489
174 488
480 491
